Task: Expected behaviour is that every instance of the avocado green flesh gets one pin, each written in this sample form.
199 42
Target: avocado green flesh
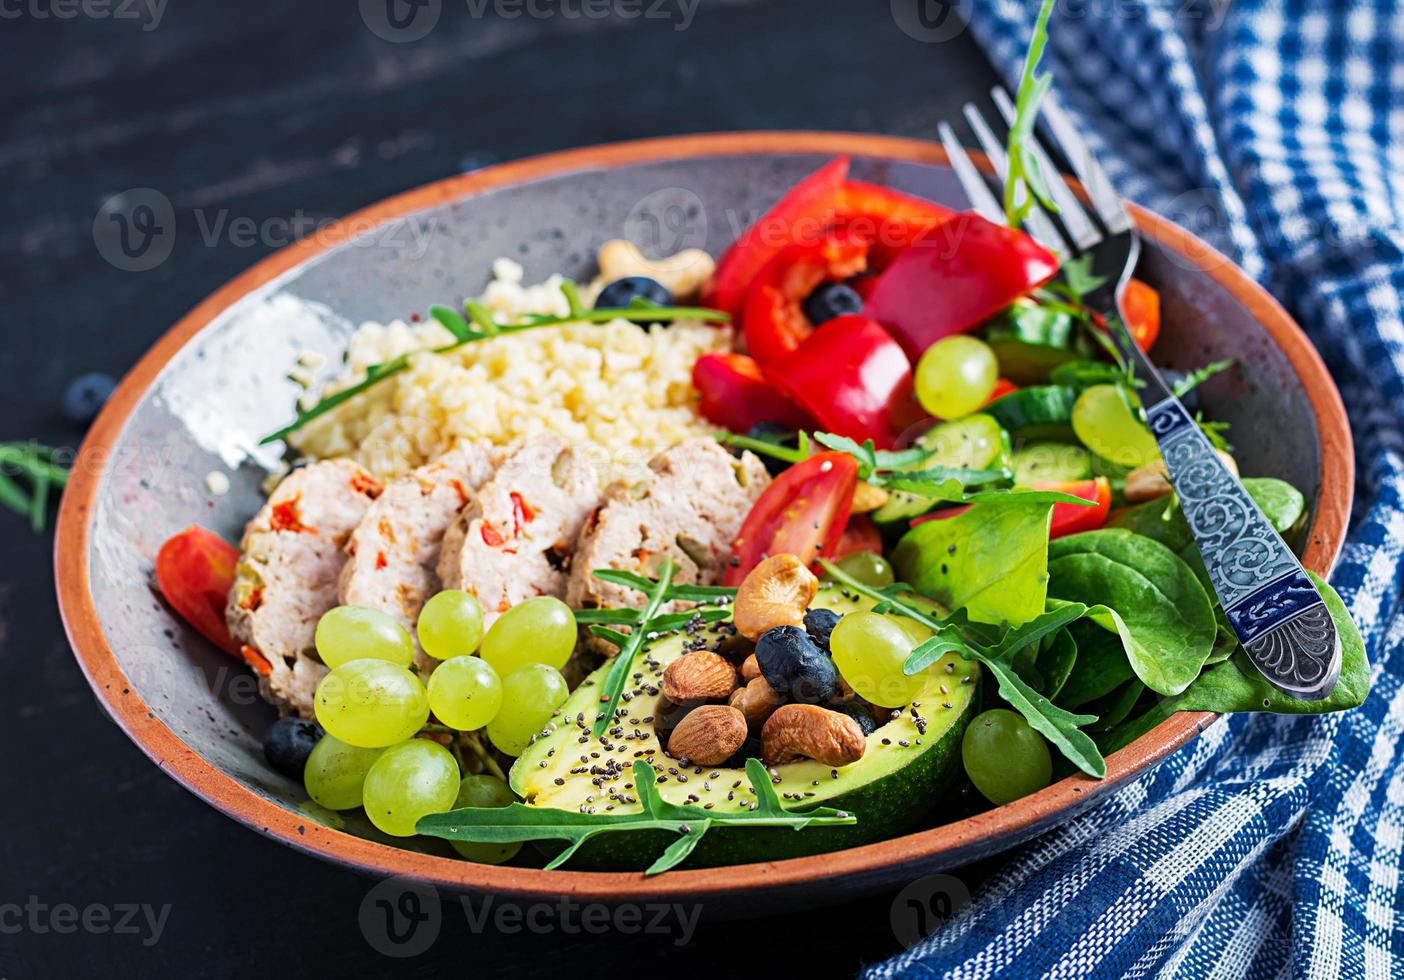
889 789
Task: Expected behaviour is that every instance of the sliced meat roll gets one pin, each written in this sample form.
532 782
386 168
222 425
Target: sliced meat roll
691 509
288 570
514 540
394 550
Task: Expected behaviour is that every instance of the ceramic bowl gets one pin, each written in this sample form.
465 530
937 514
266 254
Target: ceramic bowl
199 400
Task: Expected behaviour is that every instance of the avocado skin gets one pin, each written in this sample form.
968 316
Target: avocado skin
884 809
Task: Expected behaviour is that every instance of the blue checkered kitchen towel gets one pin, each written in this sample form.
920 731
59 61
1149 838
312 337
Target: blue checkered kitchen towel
1271 846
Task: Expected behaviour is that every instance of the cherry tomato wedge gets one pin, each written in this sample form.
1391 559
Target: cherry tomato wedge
736 395
954 279
803 512
1140 306
804 213
1067 518
774 321
861 534
195 571
852 377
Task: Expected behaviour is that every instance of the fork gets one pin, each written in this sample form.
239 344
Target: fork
1270 602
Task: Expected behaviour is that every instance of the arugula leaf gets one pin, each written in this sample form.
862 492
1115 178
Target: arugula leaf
1060 727
1079 277
1024 171
871 460
518 822
1198 376
773 447
36 464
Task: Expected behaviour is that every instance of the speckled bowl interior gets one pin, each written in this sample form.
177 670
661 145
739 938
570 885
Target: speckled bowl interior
204 410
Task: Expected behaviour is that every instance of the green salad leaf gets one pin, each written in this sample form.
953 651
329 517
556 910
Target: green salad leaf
992 560
1025 180
518 822
1142 591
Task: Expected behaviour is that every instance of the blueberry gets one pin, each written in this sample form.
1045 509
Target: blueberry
621 293
750 749
819 623
831 300
1189 399
795 667
288 744
85 396
859 713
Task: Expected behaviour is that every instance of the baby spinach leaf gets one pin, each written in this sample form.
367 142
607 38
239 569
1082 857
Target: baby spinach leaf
992 561
1101 667
1235 685
1113 709
1056 662
1149 597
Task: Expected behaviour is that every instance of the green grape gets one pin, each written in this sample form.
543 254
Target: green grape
530 695
335 772
956 376
1004 757
538 631
867 567
349 633
1105 424
918 632
869 650
485 791
464 693
410 780
371 704
450 625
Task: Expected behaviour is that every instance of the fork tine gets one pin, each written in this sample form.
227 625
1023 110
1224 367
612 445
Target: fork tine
970 178
1085 165
1042 229
1080 228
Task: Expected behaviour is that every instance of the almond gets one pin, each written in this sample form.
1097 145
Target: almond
807 731
700 676
775 593
709 735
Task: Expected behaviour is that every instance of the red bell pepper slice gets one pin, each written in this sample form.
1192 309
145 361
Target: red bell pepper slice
1003 386
195 571
1067 518
804 213
803 512
736 396
861 534
852 377
956 278
773 318
889 220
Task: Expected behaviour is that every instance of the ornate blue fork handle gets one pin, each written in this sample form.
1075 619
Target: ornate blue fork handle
1270 601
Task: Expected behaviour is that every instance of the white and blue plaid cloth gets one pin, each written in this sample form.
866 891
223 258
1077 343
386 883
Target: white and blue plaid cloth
1270 846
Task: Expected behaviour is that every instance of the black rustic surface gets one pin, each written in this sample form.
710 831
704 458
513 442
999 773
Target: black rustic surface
270 110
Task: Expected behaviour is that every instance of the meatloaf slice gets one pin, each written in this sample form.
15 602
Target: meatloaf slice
288 570
514 540
690 508
393 551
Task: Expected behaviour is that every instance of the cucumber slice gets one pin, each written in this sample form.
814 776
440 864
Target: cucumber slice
976 442
1044 462
1047 407
1026 364
1030 340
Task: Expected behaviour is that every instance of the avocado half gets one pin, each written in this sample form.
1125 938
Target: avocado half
905 772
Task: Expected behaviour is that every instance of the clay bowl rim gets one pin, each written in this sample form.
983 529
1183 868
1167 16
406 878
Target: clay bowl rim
944 845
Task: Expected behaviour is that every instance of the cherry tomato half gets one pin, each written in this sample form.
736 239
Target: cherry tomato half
1140 305
803 512
195 571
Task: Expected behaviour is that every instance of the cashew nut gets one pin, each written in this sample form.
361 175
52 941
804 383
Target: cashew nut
757 701
683 273
775 593
807 731
868 498
1149 481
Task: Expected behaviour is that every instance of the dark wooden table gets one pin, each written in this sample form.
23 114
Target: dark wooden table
271 112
